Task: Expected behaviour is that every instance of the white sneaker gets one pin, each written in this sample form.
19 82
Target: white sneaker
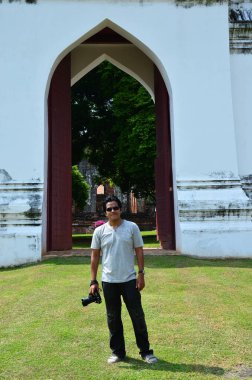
150 359
114 359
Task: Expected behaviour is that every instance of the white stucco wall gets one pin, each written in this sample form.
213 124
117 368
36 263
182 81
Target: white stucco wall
201 94
190 46
241 74
185 46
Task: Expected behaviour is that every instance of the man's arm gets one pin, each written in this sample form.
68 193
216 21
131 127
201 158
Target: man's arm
95 258
140 283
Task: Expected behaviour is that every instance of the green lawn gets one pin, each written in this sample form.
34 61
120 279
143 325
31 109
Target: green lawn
81 241
198 314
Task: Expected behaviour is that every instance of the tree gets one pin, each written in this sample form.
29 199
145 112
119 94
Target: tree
80 188
114 128
136 144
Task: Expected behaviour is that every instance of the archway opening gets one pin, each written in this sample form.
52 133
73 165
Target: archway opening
114 144
59 218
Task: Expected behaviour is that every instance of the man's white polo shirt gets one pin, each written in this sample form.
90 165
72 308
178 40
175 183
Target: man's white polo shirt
118 248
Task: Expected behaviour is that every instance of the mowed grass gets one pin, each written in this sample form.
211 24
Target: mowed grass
198 314
81 241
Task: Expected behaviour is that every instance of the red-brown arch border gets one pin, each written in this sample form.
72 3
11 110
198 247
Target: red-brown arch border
59 196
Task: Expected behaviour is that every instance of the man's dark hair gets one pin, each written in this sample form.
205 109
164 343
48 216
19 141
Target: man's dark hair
111 198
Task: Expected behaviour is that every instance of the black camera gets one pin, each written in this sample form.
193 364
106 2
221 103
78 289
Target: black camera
91 298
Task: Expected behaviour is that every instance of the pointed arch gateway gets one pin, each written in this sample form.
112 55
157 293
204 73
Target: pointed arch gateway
59 195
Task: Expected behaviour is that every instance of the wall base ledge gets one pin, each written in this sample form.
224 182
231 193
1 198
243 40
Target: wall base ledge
20 246
217 240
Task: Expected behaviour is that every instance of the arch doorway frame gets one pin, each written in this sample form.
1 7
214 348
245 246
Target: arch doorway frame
59 195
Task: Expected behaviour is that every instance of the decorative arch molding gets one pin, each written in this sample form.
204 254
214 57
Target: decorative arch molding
149 86
127 35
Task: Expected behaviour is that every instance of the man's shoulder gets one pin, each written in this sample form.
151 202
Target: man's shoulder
129 224
100 229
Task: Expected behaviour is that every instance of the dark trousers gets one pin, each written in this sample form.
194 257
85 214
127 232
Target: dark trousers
132 299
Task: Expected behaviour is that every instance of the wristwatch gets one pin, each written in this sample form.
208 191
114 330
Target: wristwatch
141 271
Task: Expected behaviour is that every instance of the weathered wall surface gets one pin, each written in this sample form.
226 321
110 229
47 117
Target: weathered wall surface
241 67
20 222
190 46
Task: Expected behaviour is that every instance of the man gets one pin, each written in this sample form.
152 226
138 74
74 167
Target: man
118 240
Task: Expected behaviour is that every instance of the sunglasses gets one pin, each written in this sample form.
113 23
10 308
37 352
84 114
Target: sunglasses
109 209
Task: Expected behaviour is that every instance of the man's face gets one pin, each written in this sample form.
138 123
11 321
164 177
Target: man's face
113 212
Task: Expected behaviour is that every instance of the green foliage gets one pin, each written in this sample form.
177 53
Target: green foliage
136 144
79 188
114 128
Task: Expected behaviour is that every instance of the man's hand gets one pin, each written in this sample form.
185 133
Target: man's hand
140 283
94 289
95 257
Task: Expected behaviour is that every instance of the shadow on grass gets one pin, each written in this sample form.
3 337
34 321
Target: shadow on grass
163 262
150 262
190 262
162 365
